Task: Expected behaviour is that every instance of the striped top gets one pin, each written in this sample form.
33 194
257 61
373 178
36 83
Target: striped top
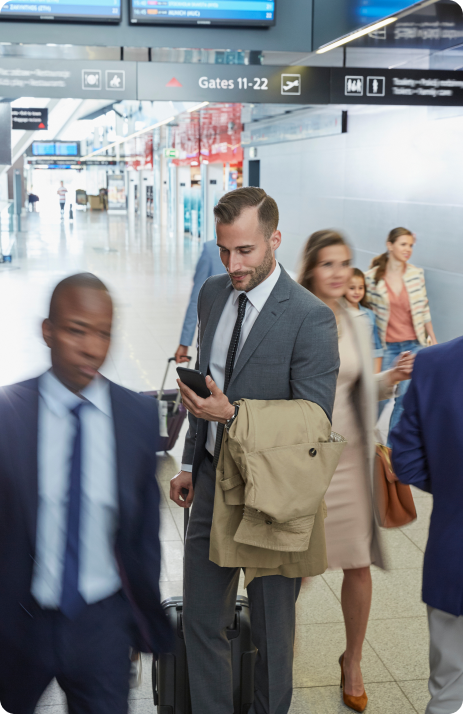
378 299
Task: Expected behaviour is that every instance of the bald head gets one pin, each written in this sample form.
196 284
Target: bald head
78 329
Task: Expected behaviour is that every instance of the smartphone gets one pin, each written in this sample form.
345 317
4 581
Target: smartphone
195 380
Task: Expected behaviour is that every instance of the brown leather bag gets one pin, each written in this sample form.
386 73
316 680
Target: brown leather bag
393 500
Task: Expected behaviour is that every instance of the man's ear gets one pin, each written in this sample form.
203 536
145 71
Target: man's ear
47 332
275 240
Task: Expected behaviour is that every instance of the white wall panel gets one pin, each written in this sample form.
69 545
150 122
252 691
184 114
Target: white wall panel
395 166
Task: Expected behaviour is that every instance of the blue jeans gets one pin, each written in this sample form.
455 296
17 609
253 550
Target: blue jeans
392 351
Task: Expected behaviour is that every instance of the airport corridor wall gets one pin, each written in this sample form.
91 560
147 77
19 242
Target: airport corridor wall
394 167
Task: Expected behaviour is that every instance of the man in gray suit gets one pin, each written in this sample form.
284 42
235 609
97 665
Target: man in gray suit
261 336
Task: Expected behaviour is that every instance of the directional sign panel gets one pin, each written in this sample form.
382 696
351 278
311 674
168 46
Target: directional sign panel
396 86
234 83
26 77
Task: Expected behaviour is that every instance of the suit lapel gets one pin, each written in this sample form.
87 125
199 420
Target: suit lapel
270 313
26 437
211 326
125 421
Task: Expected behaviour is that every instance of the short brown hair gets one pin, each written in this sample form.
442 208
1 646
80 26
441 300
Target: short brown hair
233 203
315 243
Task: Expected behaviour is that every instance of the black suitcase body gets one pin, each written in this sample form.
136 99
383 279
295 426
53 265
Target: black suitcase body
176 412
170 673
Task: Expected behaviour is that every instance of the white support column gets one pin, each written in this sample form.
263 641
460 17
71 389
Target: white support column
183 185
214 190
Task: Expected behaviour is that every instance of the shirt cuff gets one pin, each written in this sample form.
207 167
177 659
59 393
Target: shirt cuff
186 467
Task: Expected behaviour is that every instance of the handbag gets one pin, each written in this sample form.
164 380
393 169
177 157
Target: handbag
393 500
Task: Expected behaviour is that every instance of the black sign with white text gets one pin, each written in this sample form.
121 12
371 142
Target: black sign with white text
29 119
234 83
396 86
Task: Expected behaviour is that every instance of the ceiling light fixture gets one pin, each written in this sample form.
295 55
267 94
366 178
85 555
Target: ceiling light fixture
198 106
356 35
126 138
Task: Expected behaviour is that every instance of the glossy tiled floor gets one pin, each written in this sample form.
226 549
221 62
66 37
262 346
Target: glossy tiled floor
150 277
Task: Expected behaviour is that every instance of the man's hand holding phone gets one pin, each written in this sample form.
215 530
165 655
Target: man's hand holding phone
214 408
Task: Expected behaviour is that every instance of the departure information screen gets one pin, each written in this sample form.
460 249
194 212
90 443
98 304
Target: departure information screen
45 148
83 10
365 12
204 12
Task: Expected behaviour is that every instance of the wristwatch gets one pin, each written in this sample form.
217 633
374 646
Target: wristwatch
230 421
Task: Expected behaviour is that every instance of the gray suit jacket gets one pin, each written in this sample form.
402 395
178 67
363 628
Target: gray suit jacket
290 353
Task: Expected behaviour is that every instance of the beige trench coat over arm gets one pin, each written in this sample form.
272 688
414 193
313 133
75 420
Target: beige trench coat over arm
275 467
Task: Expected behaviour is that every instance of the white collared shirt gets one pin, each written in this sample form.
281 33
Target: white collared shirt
98 571
223 334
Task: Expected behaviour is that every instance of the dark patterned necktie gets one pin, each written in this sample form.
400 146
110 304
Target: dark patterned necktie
229 364
72 602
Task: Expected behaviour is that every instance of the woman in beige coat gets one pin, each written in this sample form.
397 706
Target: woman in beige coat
352 534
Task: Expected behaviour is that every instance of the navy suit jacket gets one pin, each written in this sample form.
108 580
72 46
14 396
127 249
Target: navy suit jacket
427 452
137 542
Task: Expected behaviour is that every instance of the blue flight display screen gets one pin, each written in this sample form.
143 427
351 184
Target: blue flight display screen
204 12
84 10
45 148
365 12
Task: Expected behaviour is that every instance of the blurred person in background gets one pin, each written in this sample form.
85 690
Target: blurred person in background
426 453
62 197
79 519
209 264
352 534
355 296
396 292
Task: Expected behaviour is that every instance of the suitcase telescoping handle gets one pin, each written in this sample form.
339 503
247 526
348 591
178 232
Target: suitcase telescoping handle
161 391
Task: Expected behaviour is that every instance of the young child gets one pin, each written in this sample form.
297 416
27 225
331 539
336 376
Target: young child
355 296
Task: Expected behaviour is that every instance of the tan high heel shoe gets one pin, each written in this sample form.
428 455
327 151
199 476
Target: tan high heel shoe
358 704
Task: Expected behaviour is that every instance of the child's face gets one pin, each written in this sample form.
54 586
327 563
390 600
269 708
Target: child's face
355 290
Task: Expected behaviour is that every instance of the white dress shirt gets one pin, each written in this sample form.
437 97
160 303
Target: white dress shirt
98 571
223 334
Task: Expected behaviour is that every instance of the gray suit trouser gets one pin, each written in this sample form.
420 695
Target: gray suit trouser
209 607
446 662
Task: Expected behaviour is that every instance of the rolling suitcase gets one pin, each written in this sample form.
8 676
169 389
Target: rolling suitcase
171 688
176 412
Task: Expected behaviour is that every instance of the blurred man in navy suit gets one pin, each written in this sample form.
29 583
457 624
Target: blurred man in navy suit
79 519
427 452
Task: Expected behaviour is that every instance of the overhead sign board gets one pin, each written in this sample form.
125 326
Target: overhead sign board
29 119
234 83
253 84
79 79
396 86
